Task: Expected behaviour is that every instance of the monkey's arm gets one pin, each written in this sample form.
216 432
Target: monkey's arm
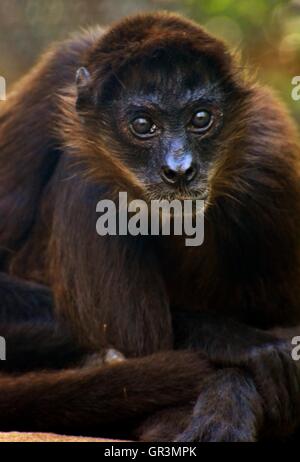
108 289
29 148
265 356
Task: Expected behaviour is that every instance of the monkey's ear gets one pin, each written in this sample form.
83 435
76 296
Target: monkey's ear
84 88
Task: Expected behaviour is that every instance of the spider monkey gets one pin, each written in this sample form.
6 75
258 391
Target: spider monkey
158 108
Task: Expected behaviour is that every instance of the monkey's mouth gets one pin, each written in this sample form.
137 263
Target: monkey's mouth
197 195
200 194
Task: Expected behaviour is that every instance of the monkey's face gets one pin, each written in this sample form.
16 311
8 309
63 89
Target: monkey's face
161 118
165 120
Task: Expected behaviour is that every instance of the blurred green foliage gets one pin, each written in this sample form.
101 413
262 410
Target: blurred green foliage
266 31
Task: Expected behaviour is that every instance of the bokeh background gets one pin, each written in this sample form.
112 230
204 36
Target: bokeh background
267 31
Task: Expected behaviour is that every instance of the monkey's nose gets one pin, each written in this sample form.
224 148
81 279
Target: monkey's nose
178 175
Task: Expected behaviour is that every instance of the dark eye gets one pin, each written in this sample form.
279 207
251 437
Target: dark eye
201 121
143 127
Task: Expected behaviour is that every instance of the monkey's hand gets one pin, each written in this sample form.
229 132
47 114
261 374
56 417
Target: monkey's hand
263 356
277 377
229 409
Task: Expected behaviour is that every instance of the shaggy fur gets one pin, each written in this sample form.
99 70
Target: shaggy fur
60 153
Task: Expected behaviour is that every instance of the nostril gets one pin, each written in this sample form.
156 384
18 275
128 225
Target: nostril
190 173
173 177
169 175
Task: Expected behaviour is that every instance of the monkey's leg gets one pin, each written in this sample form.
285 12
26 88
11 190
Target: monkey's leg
100 400
22 301
108 289
34 340
46 346
263 356
31 347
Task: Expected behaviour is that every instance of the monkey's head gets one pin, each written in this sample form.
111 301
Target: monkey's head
155 96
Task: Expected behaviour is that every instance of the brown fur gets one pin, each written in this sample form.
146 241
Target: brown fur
56 163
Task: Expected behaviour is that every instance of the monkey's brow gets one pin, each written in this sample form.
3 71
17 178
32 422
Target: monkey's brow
145 101
208 92
157 100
